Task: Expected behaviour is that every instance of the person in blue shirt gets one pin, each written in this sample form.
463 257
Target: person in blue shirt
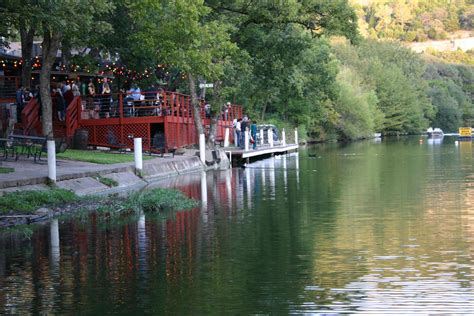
135 92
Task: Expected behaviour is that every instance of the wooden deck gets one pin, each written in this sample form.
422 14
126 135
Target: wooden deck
162 119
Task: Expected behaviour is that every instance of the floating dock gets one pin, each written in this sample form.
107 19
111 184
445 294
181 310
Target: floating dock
239 156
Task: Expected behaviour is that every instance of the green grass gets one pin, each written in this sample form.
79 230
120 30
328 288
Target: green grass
159 200
24 202
107 181
97 156
111 210
6 170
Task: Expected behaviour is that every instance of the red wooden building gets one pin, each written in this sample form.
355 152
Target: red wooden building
114 120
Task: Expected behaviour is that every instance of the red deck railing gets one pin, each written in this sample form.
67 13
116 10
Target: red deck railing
113 120
73 113
30 116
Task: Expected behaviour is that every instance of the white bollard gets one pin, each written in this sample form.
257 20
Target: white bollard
261 137
283 137
296 136
202 148
270 137
247 140
226 137
52 161
137 150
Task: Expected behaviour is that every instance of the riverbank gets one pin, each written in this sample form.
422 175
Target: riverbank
29 207
85 178
28 197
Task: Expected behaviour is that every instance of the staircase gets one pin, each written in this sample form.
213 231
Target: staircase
31 123
30 118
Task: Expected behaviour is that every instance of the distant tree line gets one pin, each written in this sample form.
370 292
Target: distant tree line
418 20
294 63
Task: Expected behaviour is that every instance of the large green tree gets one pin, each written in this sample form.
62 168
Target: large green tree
57 20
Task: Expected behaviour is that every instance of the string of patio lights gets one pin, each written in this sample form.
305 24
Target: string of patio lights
105 68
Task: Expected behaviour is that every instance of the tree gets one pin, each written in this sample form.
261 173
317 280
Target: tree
395 74
186 37
57 20
18 15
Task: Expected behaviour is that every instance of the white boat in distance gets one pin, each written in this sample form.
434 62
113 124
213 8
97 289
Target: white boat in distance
434 132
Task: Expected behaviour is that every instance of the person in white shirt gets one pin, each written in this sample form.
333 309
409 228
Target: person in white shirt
237 132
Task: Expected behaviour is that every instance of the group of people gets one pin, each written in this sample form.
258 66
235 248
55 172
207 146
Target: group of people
240 126
65 93
151 96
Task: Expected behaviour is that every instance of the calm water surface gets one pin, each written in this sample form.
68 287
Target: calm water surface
369 227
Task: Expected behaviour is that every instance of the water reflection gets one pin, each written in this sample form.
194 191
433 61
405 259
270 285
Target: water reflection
435 141
54 243
371 227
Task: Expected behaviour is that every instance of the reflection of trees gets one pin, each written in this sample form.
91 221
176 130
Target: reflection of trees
362 218
392 224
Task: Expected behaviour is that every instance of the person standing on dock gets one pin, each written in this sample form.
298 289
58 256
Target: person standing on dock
237 129
243 128
253 133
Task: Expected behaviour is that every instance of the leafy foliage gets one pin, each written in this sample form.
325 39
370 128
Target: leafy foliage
413 20
394 74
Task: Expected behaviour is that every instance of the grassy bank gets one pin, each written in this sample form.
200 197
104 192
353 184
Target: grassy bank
59 201
26 202
98 156
6 170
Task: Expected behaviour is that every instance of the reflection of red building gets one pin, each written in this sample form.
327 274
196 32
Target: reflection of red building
96 255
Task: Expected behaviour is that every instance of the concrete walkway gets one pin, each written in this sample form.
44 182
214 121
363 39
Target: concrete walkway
81 177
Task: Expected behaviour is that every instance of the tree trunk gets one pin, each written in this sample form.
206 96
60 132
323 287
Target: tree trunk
196 108
262 118
211 140
26 33
51 41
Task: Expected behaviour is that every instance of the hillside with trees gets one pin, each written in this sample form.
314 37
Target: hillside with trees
418 20
293 63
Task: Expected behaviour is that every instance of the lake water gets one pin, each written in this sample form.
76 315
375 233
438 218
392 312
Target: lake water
377 226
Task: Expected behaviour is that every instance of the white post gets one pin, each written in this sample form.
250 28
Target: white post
283 137
226 137
137 150
261 137
202 148
247 140
52 161
296 136
270 137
